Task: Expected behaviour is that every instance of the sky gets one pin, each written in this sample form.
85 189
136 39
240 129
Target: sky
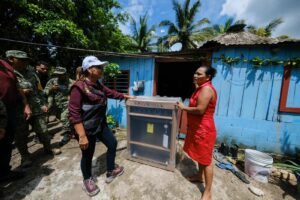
254 12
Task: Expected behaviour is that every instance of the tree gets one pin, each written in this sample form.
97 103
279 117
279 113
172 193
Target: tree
267 30
221 29
186 30
142 36
73 23
162 45
41 21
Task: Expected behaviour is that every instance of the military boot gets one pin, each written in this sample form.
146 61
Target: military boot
49 150
25 161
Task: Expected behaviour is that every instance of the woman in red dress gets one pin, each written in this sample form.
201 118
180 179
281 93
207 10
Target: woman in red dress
201 130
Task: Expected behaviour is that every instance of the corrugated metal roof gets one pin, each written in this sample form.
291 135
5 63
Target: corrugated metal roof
246 38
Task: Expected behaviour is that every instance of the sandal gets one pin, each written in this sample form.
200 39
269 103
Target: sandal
241 176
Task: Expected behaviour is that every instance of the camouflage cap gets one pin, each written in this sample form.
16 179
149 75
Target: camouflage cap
60 71
16 54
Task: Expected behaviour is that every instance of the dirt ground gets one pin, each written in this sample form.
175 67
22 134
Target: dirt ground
59 178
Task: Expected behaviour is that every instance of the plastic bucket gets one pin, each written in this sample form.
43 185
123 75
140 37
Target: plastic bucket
258 165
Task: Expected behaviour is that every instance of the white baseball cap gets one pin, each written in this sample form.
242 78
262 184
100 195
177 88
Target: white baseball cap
90 61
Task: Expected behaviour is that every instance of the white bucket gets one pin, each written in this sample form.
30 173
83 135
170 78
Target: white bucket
258 165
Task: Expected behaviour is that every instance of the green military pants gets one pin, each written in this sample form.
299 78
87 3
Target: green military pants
39 126
63 116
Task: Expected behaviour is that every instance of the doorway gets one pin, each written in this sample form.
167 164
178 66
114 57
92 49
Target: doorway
175 79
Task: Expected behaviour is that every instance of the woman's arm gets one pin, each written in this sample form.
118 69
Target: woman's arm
83 141
116 95
203 100
112 93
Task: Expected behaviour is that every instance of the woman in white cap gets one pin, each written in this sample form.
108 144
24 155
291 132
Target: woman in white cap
87 112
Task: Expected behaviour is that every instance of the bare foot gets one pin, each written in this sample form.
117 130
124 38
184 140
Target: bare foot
206 196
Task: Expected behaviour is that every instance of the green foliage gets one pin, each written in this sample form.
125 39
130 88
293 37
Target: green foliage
224 28
230 61
111 122
294 62
259 62
186 29
289 165
112 70
62 27
142 36
267 30
87 24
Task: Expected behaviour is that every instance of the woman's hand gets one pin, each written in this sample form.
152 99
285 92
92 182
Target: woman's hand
27 112
44 109
54 88
83 142
27 91
180 105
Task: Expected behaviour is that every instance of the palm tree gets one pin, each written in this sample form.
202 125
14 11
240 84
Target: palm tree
186 31
162 44
267 30
142 36
221 29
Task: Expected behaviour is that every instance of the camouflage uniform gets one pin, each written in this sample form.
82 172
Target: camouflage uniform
58 99
3 119
28 80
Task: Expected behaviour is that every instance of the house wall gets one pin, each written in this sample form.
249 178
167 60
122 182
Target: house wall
248 101
140 69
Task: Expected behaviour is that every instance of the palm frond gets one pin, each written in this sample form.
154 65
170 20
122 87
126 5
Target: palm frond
134 27
228 23
186 6
251 28
166 23
184 25
240 21
217 28
194 10
141 35
173 40
173 29
199 23
179 14
272 25
203 34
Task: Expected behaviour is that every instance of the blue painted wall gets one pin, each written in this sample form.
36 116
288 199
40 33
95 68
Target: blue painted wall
249 97
140 69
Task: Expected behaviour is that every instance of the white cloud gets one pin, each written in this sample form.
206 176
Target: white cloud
260 13
210 9
176 47
162 30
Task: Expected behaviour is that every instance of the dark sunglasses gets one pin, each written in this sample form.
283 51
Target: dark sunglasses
99 66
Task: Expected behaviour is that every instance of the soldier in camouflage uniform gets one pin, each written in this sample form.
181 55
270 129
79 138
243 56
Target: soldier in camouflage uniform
57 89
28 82
3 119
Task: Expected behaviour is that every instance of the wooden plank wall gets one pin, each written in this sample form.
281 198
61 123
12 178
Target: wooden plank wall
248 101
140 69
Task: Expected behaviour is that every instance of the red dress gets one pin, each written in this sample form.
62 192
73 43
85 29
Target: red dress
201 130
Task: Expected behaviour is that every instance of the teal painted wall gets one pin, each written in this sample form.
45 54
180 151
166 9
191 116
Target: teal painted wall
248 101
140 69
248 98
